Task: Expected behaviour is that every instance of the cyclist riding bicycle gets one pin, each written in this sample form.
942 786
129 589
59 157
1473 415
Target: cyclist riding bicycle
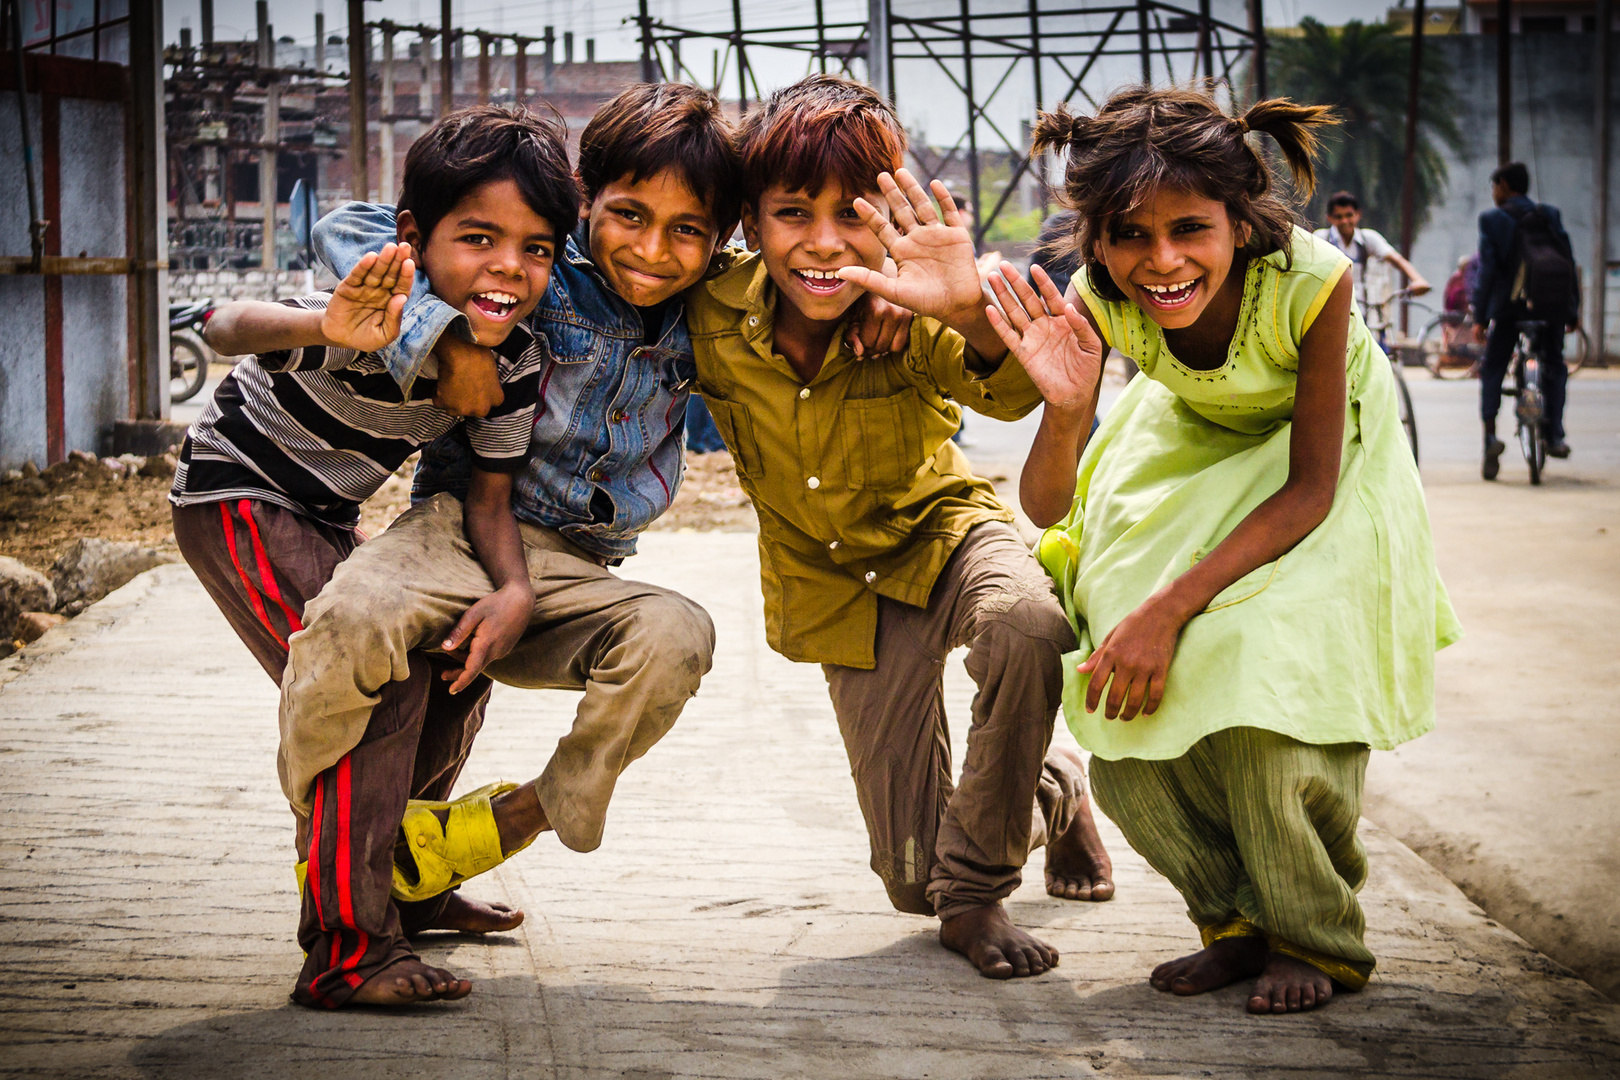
1361 246
1526 273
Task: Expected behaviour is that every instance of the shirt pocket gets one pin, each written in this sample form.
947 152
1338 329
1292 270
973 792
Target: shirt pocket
737 429
570 342
882 440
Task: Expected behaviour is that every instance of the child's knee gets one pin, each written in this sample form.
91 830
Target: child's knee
675 637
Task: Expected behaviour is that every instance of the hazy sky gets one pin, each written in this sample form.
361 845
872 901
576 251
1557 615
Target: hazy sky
602 19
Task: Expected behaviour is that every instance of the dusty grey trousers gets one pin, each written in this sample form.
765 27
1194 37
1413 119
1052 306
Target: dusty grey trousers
637 650
942 848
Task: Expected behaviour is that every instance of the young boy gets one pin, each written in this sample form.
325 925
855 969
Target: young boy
266 503
606 460
880 550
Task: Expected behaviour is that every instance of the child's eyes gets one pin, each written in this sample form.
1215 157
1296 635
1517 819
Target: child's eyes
629 215
476 238
540 251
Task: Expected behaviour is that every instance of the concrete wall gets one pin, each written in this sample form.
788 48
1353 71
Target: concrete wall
95 323
1552 134
223 285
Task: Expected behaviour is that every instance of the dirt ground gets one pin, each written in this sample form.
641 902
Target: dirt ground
40 516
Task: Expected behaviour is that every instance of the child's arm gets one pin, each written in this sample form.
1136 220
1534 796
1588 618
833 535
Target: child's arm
363 314
1134 659
492 626
938 275
1415 281
1063 353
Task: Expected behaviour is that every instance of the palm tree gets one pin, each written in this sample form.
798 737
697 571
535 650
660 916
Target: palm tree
1362 71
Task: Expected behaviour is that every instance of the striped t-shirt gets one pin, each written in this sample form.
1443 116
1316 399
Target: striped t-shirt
317 430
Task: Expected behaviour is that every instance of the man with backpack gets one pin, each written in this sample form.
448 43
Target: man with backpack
1526 273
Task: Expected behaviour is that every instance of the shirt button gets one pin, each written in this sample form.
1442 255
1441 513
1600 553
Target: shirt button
596 476
832 546
813 483
804 393
871 576
618 415
753 320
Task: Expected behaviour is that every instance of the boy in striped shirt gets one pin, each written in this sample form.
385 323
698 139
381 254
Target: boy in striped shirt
266 504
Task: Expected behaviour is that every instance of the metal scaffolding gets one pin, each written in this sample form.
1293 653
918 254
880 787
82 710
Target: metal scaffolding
1057 45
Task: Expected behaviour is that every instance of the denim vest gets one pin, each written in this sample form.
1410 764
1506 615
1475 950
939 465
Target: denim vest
606 456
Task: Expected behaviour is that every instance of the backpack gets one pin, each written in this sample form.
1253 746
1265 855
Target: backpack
1544 281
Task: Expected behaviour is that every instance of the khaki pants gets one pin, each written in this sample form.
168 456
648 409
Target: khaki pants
943 849
638 652
1258 833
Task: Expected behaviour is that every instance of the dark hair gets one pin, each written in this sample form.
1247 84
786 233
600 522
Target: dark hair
819 129
1144 139
1515 175
1342 198
655 126
475 146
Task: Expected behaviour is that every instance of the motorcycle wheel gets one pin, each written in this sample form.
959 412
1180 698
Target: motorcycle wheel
188 366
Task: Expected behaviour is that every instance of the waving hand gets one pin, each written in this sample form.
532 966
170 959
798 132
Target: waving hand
937 275
1053 341
365 308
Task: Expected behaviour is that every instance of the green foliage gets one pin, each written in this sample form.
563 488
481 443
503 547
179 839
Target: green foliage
1362 70
1009 226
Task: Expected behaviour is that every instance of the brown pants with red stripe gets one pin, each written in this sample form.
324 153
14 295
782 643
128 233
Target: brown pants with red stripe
261 564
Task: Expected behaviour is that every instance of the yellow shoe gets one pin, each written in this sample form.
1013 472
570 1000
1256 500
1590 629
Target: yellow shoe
466 845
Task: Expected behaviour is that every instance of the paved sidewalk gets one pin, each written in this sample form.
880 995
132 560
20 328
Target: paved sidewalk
727 927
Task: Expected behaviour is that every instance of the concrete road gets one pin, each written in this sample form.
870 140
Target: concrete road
727 927
1516 794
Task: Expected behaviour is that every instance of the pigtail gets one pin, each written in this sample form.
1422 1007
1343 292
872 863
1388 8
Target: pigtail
1059 129
1293 126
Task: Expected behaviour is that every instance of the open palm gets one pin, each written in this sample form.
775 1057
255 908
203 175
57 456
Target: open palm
365 308
1056 345
937 275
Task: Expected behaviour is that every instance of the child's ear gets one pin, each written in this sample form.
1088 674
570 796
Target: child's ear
406 230
750 226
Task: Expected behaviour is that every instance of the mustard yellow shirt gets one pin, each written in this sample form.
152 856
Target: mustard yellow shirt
859 490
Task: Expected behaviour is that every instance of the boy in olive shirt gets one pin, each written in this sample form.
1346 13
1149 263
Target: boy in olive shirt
880 551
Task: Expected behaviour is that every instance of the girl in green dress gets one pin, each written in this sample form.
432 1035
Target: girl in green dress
1242 546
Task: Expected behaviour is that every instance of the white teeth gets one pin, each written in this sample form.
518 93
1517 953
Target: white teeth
821 275
1165 289
499 297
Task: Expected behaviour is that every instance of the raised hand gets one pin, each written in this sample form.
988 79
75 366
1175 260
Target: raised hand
1056 345
937 276
364 312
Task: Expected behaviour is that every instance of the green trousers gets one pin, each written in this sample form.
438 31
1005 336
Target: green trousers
1258 833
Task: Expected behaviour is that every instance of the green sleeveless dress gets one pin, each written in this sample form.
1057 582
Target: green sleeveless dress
1332 643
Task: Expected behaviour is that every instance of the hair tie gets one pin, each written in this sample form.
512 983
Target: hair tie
1242 124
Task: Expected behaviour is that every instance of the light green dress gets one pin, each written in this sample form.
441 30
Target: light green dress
1332 643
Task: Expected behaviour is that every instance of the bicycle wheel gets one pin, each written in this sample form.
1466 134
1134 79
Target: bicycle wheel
1577 347
1403 404
1529 411
188 367
1453 359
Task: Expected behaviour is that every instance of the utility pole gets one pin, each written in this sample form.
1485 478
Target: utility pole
1504 82
1414 80
644 20
320 37
385 133
447 70
148 228
1603 73
483 68
268 138
1257 29
878 71
359 55
424 89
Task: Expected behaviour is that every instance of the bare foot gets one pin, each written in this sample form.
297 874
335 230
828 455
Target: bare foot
994 945
468 916
1289 985
1077 865
1221 964
409 981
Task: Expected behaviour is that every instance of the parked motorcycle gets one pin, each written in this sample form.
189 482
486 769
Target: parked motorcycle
189 354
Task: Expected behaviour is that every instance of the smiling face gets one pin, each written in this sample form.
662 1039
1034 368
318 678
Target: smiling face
489 258
1173 255
1345 218
651 238
804 239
